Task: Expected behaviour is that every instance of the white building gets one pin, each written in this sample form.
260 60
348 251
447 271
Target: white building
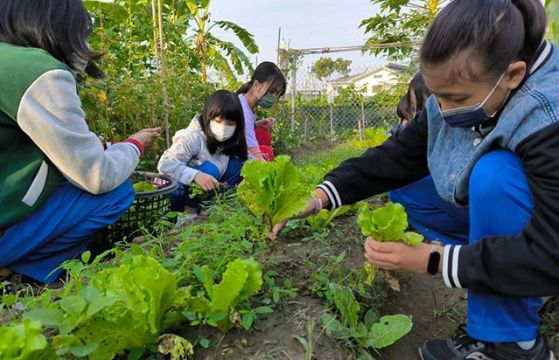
372 82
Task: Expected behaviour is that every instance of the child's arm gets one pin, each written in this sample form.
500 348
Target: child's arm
255 153
401 160
50 114
174 160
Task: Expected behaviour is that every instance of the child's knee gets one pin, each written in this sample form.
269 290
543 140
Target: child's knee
491 174
235 165
210 169
122 197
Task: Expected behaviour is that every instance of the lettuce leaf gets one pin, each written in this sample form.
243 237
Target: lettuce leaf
24 341
387 223
325 217
273 190
240 281
369 334
121 308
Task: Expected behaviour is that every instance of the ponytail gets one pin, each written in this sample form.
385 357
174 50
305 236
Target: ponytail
245 88
535 23
497 32
266 71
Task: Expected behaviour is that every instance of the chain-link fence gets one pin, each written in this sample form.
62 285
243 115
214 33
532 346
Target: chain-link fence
343 104
334 120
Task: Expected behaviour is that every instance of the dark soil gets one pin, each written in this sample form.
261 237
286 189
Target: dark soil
435 309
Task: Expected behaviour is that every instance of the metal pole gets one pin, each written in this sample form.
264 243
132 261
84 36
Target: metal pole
293 93
362 125
279 41
163 72
331 123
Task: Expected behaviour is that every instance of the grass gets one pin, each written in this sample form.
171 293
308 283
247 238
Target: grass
550 323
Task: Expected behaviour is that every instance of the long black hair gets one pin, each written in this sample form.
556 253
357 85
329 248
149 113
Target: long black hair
226 105
266 71
417 87
404 107
60 27
497 31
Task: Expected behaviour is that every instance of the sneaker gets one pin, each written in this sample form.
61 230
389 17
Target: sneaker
464 347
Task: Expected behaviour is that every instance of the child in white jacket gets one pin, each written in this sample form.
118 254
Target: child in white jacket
210 151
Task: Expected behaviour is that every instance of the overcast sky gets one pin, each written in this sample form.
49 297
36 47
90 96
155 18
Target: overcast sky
304 24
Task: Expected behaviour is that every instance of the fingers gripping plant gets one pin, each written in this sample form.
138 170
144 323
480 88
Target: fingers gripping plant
388 223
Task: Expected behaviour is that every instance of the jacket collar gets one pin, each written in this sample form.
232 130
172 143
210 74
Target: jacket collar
544 53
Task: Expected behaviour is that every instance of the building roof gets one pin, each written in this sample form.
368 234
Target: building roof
354 78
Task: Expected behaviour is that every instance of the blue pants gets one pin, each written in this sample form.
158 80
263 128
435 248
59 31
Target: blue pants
432 216
500 203
60 230
232 176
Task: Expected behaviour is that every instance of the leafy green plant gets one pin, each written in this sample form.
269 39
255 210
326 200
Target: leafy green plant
24 341
372 332
230 232
325 217
241 280
214 52
144 186
277 292
400 21
248 316
195 191
387 223
273 190
375 136
121 308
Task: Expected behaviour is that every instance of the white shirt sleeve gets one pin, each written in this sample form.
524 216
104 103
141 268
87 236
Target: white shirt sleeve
50 114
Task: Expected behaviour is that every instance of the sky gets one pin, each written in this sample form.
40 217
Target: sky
304 24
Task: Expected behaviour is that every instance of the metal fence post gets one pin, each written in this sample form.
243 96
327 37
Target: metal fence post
331 123
362 126
293 95
306 127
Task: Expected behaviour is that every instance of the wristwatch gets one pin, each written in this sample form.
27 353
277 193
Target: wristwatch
434 259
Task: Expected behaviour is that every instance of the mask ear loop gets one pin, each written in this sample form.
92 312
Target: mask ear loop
266 86
493 90
476 106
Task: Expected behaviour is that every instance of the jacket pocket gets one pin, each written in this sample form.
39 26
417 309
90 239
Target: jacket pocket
37 186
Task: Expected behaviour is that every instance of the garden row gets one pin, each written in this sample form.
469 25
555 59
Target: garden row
220 271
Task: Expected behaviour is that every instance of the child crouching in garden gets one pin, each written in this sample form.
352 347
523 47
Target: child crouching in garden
210 152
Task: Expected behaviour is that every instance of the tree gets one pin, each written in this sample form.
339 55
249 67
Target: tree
552 7
216 53
324 67
342 66
404 21
126 32
350 95
136 93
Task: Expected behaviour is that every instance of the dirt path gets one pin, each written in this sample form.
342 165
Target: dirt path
436 311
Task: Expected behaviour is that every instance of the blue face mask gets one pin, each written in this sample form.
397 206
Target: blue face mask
268 101
470 116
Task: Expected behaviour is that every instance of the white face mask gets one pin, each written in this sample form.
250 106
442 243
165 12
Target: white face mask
222 132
